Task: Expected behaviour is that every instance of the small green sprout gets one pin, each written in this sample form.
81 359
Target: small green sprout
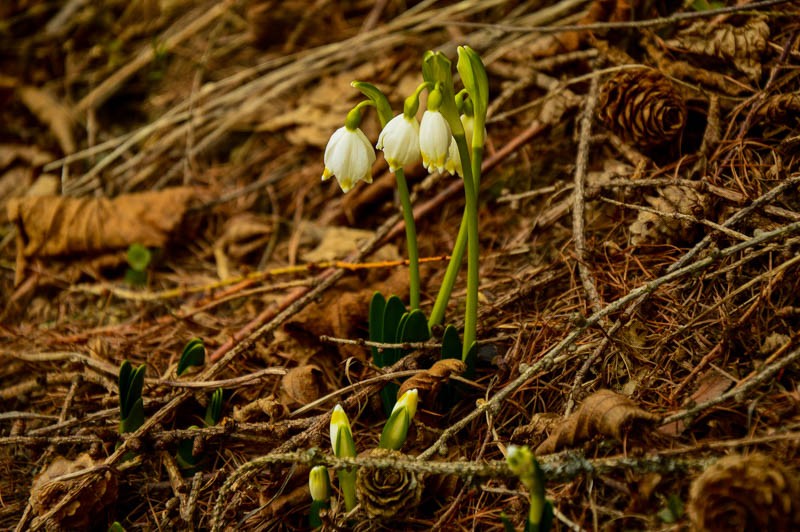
522 463
194 354
319 485
139 258
131 406
187 458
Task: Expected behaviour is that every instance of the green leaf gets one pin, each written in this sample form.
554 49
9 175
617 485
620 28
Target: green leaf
185 457
131 382
138 257
214 409
415 328
392 314
134 419
508 526
395 430
673 511
451 344
135 277
377 97
376 309
194 354
116 527
314 519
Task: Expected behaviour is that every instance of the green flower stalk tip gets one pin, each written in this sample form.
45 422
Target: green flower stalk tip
319 483
522 463
396 429
344 447
341 435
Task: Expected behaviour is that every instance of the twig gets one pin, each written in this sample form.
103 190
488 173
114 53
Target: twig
546 361
738 393
579 199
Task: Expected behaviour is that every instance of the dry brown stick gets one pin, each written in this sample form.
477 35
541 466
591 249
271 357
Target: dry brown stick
107 88
738 393
579 197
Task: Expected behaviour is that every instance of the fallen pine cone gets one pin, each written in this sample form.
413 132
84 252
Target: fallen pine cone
643 107
95 492
745 493
385 492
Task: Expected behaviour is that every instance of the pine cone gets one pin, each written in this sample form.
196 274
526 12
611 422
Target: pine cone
96 491
642 106
387 491
745 493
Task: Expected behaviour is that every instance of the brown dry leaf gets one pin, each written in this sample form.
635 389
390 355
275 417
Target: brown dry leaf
710 385
302 385
740 47
96 491
429 381
49 226
604 413
51 112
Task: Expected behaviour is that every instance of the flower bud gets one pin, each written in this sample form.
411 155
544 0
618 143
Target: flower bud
319 483
396 428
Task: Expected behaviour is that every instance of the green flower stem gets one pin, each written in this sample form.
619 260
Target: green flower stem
473 252
411 238
468 229
457 255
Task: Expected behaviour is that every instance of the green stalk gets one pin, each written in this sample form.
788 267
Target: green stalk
457 255
411 238
473 252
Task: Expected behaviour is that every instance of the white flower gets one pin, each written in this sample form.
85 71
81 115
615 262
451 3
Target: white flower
453 163
434 140
399 141
349 156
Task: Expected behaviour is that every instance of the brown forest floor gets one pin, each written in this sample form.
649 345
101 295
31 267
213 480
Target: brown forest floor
639 234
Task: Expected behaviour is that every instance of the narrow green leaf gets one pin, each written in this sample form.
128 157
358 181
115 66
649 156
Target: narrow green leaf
508 526
376 308
451 344
135 388
214 409
134 419
392 314
415 328
395 430
314 519
124 384
194 354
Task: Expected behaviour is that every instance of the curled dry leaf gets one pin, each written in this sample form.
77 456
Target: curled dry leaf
603 413
429 381
50 226
738 492
739 46
95 492
302 385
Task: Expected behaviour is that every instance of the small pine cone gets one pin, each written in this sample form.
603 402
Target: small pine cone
96 491
385 492
745 493
642 106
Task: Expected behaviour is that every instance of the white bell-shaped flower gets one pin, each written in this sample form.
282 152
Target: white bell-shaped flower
399 141
434 141
349 157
